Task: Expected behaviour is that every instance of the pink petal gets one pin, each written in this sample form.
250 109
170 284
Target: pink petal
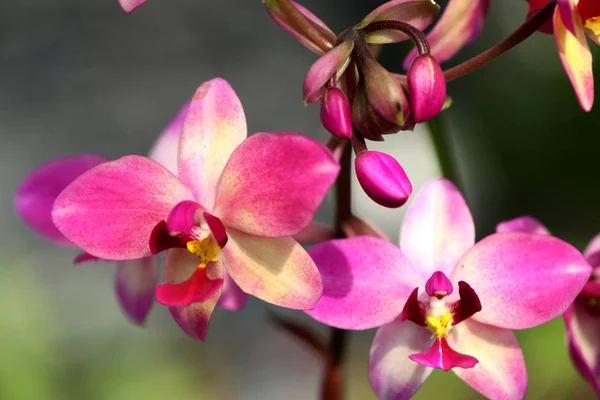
583 338
195 318
130 5
460 24
166 146
593 246
275 13
366 281
441 355
182 217
38 191
500 373
576 58
111 210
524 224
196 289
328 65
522 280
393 376
419 14
437 229
214 126
264 168
276 270
135 281
232 297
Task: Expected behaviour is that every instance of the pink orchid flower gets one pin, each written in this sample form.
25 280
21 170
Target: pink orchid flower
574 21
130 5
581 318
135 280
234 205
427 323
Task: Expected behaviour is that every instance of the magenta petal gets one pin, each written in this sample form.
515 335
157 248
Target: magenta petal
217 228
583 338
437 229
327 66
166 147
523 280
392 374
38 191
467 306
382 178
182 217
441 355
366 281
232 297
130 5
524 224
111 210
196 289
135 281
263 168
500 372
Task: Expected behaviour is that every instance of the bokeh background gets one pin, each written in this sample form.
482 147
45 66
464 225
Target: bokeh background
85 77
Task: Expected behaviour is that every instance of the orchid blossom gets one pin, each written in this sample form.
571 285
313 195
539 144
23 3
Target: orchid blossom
224 210
582 317
574 21
130 5
444 301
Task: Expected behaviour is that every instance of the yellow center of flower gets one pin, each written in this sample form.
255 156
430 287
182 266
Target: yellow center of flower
593 24
207 250
439 325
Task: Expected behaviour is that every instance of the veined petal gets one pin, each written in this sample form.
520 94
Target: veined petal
135 281
263 168
111 210
522 280
214 126
276 270
437 228
393 376
500 372
460 24
195 318
166 146
130 5
576 58
331 63
38 191
419 14
232 298
593 246
583 339
366 281
524 224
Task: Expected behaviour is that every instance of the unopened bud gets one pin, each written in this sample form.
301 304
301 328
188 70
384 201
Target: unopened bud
336 114
382 178
385 93
426 88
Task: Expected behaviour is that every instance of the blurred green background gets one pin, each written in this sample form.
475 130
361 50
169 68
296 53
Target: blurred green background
85 77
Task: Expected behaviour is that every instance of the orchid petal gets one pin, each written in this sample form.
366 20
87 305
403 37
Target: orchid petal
522 280
331 63
392 375
593 246
419 14
232 297
38 191
524 224
576 58
437 229
276 270
500 372
366 281
441 355
198 288
568 15
195 318
130 5
460 24
111 210
583 338
135 281
263 168
182 217
214 126
166 146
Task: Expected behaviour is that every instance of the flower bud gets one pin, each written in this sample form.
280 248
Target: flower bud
426 88
385 93
336 115
382 178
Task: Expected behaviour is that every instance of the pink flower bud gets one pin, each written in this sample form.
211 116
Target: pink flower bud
382 178
426 88
336 115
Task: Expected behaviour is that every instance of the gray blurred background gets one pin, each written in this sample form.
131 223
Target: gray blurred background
86 77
